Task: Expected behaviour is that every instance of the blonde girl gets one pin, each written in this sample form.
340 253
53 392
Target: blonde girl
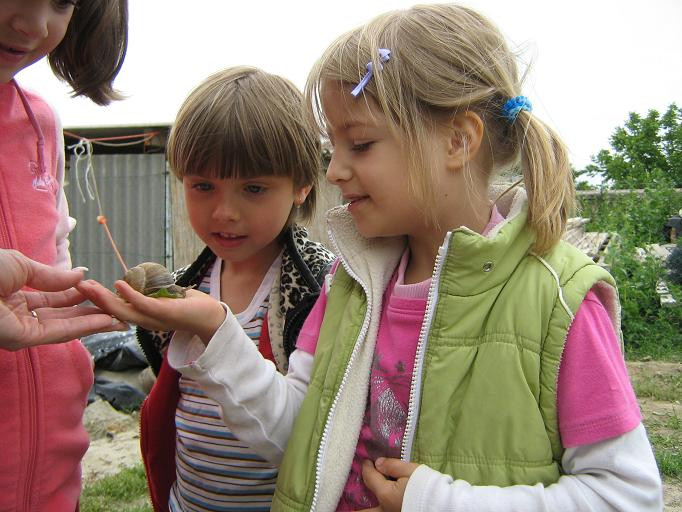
463 357
45 387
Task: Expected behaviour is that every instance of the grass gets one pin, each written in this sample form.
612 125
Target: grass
659 386
124 492
666 438
664 426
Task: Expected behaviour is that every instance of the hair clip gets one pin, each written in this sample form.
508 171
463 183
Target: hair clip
384 56
515 105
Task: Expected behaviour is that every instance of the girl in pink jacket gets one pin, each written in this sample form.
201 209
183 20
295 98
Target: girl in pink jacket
44 388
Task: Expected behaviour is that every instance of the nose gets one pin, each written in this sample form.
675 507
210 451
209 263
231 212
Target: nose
31 19
338 170
226 211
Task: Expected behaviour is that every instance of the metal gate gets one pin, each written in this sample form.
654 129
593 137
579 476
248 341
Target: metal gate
134 196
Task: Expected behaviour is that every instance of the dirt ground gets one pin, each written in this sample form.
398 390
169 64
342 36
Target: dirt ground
114 441
115 436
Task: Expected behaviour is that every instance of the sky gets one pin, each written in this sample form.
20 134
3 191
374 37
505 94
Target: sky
592 61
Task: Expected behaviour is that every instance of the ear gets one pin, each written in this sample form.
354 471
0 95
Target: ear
301 194
464 135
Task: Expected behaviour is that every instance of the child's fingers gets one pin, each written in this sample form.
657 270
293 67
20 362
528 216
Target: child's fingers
154 307
139 301
107 301
395 468
387 479
374 480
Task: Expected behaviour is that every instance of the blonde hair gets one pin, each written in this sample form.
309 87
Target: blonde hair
447 59
243 122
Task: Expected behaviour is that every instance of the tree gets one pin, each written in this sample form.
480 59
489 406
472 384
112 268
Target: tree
644 150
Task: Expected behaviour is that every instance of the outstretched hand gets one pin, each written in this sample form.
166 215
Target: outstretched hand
387 479
197 312
52 314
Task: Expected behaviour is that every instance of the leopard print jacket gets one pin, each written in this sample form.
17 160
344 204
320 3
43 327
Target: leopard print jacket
295 290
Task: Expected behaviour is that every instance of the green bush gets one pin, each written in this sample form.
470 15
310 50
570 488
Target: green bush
638 217
649 329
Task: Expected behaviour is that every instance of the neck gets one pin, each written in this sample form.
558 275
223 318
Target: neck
424 245
240 280
254 267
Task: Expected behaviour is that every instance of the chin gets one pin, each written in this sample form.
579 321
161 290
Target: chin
367 232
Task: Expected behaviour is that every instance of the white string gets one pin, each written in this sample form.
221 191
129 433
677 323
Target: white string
558 283
83 151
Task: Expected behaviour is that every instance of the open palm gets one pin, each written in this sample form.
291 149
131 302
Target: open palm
52 314
197 312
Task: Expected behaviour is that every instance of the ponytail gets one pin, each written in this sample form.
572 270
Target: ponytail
548 180
448 59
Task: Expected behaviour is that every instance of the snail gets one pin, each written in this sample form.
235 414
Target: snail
153 280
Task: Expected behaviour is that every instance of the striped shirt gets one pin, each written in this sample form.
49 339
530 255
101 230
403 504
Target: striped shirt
216 471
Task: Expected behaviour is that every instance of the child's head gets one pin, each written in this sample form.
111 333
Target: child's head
85 41
447 61
241 123
92 51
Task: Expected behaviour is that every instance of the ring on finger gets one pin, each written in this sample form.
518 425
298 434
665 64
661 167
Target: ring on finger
35 314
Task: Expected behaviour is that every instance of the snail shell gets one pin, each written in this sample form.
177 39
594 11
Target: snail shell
150 278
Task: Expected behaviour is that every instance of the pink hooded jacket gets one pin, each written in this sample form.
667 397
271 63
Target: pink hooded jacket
44 389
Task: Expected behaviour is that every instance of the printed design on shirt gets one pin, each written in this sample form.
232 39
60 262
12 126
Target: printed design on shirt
42 180
387 415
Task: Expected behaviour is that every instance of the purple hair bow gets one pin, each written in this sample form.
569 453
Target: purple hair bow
384 56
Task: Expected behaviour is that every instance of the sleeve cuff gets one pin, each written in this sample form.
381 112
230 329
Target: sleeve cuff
188 354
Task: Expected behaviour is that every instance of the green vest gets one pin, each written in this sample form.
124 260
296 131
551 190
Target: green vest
485 392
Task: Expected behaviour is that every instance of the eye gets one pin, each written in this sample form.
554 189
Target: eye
255 189
202 186
361 147
65 4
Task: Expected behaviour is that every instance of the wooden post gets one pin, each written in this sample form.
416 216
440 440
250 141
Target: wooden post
186 244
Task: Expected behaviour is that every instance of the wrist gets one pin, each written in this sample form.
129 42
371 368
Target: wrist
215 320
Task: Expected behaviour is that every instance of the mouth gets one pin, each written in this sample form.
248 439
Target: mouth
354 199
228 240
355 202
14 50
229 236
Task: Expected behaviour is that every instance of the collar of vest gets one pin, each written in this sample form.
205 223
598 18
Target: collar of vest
472 261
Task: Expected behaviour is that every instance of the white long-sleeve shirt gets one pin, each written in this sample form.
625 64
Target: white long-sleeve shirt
259 404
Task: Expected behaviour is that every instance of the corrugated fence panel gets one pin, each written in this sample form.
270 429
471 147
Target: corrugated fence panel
132 191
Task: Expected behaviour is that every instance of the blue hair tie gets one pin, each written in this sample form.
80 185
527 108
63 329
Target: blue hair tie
515 105
384 55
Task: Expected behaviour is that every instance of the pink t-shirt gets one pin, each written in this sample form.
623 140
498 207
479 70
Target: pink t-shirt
595 400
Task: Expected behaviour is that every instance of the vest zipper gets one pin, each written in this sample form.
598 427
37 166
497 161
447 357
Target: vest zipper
363 332
32 428
415 386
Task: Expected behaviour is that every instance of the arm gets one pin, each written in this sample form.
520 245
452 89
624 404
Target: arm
258 403
65 224
615 475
